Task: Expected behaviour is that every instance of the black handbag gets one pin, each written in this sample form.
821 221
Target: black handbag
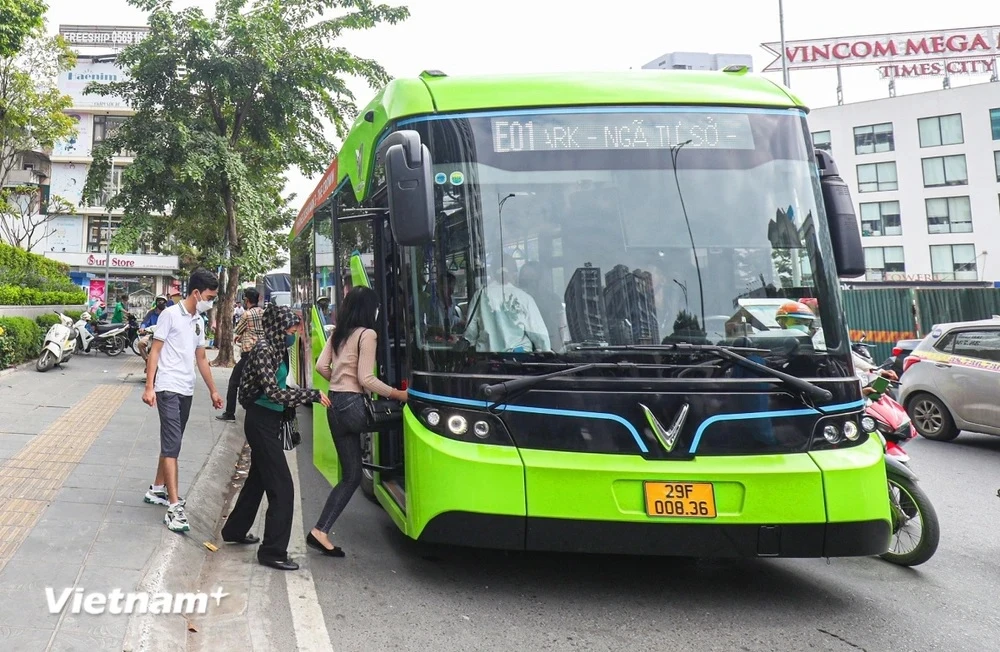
383 413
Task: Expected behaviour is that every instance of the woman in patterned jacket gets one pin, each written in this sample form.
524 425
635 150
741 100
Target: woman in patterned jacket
265 395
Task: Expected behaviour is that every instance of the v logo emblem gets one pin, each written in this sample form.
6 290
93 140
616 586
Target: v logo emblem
667 437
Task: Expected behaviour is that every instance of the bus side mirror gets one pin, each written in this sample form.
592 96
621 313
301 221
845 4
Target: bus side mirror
410 187
845 235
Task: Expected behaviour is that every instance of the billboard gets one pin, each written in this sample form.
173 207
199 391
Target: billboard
74 81
904 54
102 36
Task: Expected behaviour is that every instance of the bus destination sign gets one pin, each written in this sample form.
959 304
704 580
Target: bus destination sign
620 131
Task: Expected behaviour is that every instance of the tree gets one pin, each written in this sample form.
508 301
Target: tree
31 107
224 106
21 20
27 215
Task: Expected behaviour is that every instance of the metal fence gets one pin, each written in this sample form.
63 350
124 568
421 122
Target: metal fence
887 315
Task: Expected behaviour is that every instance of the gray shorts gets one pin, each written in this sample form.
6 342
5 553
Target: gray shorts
174 411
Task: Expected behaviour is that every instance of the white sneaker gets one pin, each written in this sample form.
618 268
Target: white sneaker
159 497
156 497
175 519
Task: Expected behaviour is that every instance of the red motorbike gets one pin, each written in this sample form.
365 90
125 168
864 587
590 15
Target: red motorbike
915 529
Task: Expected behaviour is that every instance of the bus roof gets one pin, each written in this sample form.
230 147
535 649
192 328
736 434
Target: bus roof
436 93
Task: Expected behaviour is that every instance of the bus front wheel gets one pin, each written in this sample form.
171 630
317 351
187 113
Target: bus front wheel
367 475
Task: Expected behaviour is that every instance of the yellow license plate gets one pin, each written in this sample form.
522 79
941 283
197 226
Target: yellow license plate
680 499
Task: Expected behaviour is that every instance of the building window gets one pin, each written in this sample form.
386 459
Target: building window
954 262
949 215
821 140
881 218
880 261
105 127
97 234
873 177
112 185
941 130
945 171
995 123
872 139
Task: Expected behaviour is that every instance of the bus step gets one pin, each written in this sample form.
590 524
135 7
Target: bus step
381 469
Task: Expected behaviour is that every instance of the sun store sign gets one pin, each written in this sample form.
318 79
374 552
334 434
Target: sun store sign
970 50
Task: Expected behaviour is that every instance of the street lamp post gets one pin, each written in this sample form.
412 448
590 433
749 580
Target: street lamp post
784 53
107 258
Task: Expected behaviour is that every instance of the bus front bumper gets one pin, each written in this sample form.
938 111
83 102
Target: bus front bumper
855 539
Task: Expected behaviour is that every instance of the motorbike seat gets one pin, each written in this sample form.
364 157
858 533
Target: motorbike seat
104 328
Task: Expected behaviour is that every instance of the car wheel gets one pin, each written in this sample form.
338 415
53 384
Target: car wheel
931 418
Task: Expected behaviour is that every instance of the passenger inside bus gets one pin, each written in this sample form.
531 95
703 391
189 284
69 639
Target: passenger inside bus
536 280
505 318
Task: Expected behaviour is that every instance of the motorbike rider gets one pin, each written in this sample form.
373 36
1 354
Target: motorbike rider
796 315
159 305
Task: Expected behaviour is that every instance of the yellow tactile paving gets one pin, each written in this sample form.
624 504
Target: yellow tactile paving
30 479
134 366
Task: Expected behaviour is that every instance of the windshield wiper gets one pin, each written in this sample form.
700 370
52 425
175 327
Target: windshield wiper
730 353
499 391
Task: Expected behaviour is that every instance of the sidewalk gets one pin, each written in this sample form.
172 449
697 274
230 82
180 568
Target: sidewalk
78 450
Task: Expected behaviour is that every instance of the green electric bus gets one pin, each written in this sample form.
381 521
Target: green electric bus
572 269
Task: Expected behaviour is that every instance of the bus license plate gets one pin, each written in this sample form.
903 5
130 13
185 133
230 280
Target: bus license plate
680 499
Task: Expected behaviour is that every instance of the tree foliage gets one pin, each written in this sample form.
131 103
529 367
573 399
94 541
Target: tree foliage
31 107
27 215
19 20
225 105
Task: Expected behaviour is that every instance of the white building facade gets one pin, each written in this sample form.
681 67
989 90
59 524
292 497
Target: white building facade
699 61
81 239
924 173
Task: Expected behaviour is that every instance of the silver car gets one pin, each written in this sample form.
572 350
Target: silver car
952 380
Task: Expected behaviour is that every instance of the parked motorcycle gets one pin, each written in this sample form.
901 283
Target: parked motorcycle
915 527
110 339
59 345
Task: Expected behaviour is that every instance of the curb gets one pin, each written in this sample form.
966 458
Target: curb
178 564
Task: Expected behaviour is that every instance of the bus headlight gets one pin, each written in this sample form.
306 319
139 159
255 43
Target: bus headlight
481 429
831 433
851 430
432 417
868 424
457 424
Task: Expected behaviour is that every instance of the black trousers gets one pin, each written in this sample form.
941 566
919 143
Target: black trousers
269 475
234 385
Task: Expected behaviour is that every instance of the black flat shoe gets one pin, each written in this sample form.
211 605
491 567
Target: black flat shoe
279 564
226 417
313 542
249 539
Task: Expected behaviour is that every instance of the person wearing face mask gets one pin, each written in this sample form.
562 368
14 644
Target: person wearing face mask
796 316
348 362
178 348
149 321
265 395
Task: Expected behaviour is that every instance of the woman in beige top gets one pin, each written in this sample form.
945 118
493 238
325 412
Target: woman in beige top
348 362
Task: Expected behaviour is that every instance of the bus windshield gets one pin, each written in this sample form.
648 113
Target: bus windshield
567 231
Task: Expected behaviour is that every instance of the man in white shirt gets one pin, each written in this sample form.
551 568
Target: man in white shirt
178 346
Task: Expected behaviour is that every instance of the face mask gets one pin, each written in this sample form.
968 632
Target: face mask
204 306
289 340
161 306
799 327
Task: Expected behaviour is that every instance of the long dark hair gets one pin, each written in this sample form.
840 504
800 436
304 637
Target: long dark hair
357 310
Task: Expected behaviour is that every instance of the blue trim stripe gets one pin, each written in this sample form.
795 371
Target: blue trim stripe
599 109
538 410
739 416
825 409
